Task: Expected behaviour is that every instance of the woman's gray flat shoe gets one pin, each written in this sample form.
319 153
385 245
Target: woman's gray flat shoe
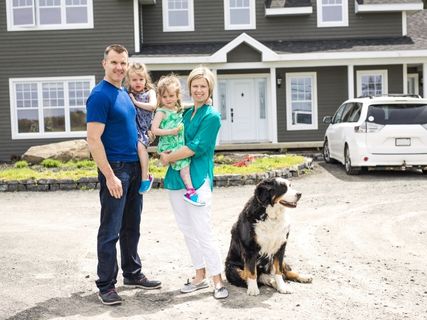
189 287
221 293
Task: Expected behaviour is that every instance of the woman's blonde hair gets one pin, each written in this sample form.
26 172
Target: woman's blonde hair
169 83
141 70
202 72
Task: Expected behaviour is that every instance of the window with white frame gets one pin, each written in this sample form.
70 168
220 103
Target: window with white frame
178 15
372 82
24 15
185 93
332 13
301 101
49 107
239 14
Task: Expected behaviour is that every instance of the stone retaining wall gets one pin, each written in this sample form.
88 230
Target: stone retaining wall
92 183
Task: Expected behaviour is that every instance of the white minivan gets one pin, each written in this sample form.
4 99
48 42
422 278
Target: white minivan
378 132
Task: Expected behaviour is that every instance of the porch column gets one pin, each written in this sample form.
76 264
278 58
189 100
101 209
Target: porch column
405 78
136 29
272 128
215 97
350 81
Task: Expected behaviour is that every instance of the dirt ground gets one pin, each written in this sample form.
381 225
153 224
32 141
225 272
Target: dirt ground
363 239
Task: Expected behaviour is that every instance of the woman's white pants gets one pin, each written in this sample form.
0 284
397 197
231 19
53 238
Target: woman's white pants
195 223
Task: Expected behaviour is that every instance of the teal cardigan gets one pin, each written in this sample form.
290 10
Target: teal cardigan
200 136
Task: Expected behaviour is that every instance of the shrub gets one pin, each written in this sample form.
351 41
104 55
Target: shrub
51 163
21 164
85 164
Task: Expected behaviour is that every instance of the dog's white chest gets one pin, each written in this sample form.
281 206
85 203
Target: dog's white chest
271 233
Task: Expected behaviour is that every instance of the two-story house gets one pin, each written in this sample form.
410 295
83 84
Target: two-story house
281 65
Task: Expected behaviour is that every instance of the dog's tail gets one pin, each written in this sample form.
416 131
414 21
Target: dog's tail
234 275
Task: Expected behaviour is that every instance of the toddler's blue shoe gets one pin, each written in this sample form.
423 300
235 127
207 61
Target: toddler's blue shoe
193 198
146 185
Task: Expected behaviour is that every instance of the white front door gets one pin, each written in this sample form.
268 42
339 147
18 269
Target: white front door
243 108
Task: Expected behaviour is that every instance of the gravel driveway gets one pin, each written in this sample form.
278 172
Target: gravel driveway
363 239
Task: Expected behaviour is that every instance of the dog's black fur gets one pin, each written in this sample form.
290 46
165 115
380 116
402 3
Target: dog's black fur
255 257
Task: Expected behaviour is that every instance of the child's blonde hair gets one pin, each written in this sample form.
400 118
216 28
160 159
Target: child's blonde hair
202 72
141 70
169 83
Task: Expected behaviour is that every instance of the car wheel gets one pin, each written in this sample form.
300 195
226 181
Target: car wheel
326 154
349 169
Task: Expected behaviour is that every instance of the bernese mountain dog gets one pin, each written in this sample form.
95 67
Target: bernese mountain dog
259 237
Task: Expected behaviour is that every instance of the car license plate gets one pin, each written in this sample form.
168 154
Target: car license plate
403 142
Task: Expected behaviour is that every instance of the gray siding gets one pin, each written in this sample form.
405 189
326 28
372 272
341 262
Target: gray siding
244 53
53 53
331 92
209 25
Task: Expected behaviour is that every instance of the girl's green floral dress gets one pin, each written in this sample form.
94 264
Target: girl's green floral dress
170 142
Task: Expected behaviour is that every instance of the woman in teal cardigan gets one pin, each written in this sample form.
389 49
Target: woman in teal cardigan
201 126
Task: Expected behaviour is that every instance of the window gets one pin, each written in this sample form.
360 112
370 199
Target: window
239 14
178 15
185 94
49 107
332 13
372 83
301 101
49 14
413 83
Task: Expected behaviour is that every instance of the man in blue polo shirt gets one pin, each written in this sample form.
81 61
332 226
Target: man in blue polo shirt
112 139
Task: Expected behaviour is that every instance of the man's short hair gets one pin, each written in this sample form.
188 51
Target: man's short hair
115 47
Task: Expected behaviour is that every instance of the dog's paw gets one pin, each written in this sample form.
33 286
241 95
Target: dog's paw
252 288
281 286
305 279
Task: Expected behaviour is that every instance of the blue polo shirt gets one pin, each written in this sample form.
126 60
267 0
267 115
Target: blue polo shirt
112 106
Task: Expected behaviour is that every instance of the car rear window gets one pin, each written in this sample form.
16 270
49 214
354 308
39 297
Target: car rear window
397 113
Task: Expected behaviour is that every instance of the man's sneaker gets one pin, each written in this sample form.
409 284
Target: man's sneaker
110 297
146 185
193 198
142 282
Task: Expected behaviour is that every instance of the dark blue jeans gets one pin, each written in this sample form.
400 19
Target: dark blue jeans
120 219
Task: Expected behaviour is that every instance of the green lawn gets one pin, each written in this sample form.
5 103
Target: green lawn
52 169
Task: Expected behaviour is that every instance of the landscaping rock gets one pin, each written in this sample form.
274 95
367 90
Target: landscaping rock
63 151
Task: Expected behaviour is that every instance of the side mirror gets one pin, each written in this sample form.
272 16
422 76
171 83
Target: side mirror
327 119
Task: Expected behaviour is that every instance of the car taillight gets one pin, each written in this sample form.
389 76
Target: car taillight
368 127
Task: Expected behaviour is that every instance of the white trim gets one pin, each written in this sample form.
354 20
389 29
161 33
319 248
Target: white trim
342 23
350 81
405 78
313 77
273 12
35 26
136 28
165 17
424 78
384 76
221 54
297 59
252 17
361 8
272 111
41 134
404 24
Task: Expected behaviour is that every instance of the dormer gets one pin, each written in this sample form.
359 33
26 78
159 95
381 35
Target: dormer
287 7
366 6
